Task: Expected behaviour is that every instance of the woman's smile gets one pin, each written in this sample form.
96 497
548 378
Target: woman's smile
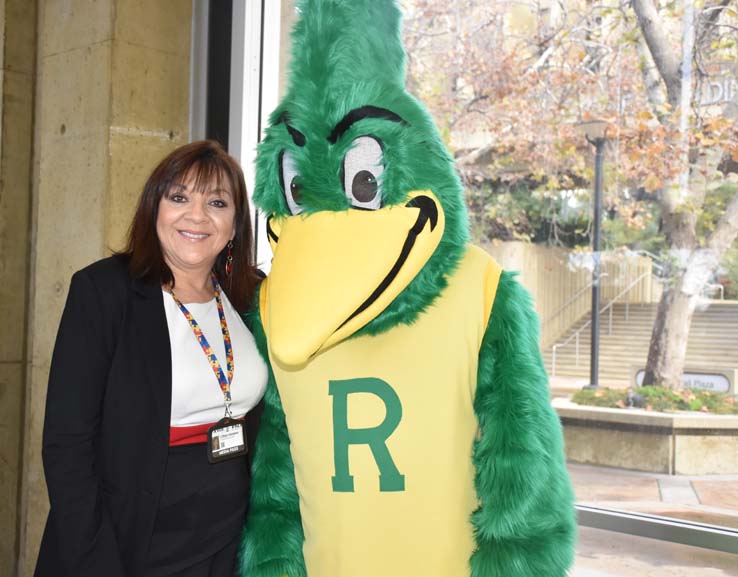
194 236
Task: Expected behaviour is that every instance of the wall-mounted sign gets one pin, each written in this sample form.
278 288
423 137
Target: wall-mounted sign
720 91
722 382
720 87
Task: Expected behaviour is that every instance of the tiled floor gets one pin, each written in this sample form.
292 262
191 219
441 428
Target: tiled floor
720 493
711 500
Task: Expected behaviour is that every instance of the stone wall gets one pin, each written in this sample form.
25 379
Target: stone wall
678 443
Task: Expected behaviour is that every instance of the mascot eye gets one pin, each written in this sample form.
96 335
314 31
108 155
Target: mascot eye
291 183
362 168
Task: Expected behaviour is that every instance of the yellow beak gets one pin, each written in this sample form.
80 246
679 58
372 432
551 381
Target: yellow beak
333 272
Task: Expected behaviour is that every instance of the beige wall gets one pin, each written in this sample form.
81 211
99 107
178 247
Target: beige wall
556 277
111 98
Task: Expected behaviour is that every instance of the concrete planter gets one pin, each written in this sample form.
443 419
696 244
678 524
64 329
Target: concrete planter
673 443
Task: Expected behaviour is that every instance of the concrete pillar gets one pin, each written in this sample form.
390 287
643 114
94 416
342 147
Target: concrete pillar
112 98
17 58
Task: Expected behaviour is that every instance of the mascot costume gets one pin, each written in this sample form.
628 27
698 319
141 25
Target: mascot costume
407 430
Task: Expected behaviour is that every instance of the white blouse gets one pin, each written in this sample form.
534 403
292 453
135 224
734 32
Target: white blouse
196 395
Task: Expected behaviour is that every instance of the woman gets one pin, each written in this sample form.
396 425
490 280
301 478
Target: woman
144 477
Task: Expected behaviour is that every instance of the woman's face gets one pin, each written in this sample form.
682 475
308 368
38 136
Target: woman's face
193 226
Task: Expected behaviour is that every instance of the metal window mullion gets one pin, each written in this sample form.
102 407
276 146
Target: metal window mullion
199 69
663 528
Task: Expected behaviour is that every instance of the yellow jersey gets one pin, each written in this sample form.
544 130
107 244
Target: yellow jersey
381 434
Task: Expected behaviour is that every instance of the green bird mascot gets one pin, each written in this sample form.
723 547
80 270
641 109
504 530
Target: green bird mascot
407 430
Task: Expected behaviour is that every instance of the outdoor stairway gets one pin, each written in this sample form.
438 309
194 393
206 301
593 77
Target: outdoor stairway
713 342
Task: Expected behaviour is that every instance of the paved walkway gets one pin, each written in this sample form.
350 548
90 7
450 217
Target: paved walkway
712 500
607 554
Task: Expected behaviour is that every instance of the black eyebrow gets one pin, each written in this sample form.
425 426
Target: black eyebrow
297 136
358 114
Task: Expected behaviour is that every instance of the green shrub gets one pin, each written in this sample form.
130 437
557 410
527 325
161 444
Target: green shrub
659 399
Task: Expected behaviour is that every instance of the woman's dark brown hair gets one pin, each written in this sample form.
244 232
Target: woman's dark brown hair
209 164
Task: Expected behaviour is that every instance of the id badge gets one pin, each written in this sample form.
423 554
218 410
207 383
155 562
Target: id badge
226 440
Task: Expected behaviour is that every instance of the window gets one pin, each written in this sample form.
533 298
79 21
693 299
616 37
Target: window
575 126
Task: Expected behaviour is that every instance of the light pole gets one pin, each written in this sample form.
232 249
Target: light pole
594 131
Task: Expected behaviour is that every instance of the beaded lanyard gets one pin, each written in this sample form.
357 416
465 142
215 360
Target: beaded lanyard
225 383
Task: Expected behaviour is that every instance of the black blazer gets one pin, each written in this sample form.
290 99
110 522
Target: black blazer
106 431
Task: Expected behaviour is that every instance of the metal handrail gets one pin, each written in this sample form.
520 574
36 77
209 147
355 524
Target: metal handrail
609 305
657 262
570 301
648 253
721 288
660 267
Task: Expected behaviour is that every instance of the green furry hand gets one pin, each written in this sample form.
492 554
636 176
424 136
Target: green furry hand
272 540
525 524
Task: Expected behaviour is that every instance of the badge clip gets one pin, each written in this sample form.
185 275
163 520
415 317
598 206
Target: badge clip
226 439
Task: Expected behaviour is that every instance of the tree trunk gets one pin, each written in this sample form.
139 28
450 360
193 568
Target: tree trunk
668 349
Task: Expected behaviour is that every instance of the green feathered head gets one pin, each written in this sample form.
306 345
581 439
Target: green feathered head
366 211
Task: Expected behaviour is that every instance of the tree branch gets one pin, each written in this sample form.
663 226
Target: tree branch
702 262
651 80
709 17
472 157
727 228
664 55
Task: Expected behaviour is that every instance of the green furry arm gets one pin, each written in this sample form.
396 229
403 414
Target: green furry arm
273 537
525 524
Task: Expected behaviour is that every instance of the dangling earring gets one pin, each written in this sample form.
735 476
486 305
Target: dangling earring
229 258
